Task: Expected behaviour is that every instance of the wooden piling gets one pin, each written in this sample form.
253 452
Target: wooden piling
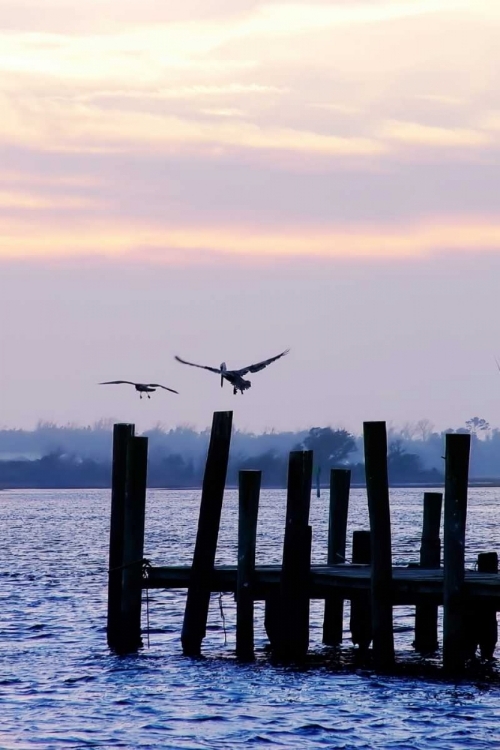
426 615
481 628
487 562
377 488
249 490
133 544
121 435
360 623
340 481
455 515
212 494
294 591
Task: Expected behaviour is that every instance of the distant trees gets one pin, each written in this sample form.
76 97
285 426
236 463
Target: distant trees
71 456
476 424
331 447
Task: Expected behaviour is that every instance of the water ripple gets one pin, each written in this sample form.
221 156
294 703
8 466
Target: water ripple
61 688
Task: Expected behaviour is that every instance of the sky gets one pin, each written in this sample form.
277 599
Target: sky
224 180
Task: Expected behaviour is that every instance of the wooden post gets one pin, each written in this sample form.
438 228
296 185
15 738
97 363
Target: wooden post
212 494
377 488
340 481
426 635
487 562
455 515
249 490
361 610
133 544
121 435
294 614
481 628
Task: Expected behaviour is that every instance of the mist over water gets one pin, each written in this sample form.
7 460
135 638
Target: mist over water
61 688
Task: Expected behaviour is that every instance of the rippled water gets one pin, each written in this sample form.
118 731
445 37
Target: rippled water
61 688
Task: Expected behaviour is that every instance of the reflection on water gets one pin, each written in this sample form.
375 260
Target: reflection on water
61 688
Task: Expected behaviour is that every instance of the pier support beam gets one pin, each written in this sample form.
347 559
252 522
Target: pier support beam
293 639
481 627
455 516
360 623
133 544
426 615
249 490
377 488
121 436
212 494
340 482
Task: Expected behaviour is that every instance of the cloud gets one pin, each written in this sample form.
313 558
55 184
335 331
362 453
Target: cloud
416 134
177 244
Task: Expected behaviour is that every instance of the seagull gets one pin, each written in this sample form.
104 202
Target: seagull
146 388
235 377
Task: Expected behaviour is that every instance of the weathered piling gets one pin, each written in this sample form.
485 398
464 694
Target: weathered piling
487 562
121 436
340 482
360 623
198 598
249 490
377 488
293 639
455 516
481 628
426 615
133 544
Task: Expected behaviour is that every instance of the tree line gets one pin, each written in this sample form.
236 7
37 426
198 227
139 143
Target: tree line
172 468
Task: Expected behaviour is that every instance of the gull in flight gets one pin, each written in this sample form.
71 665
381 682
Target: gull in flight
146 388
235 377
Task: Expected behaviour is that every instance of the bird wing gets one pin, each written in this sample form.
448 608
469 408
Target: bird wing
159 385
117 382
217 370
260 365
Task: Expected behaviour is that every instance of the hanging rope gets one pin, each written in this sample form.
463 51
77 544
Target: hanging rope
146 565
223 618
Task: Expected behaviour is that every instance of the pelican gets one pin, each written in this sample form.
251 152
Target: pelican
235 377
146 388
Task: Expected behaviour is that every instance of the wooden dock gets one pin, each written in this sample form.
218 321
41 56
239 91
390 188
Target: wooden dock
373 586
410 585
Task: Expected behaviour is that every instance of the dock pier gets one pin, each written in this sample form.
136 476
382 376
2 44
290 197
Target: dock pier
470 598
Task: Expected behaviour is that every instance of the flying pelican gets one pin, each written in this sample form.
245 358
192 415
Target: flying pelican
146 388
235 377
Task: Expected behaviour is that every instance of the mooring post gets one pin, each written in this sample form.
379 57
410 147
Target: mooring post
487 562
212 494
249 490
377 488
340 482
481 628
360 623
295 574
121 436
133 544
426 615
455 516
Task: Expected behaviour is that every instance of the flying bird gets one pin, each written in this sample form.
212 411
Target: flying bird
235 377
146 388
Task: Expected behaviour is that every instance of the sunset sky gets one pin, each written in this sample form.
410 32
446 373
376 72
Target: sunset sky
222 180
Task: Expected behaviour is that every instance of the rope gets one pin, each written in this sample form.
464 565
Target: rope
223 618
146 566
143 561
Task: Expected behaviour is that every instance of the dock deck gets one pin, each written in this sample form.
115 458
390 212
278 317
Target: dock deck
409 584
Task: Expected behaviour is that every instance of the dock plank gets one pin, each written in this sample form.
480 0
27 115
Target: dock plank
409 585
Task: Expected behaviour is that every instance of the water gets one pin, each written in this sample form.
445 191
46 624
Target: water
61 688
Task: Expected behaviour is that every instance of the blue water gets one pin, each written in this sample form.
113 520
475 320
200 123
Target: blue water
60 687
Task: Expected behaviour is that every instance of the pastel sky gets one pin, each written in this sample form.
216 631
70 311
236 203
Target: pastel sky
224 179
